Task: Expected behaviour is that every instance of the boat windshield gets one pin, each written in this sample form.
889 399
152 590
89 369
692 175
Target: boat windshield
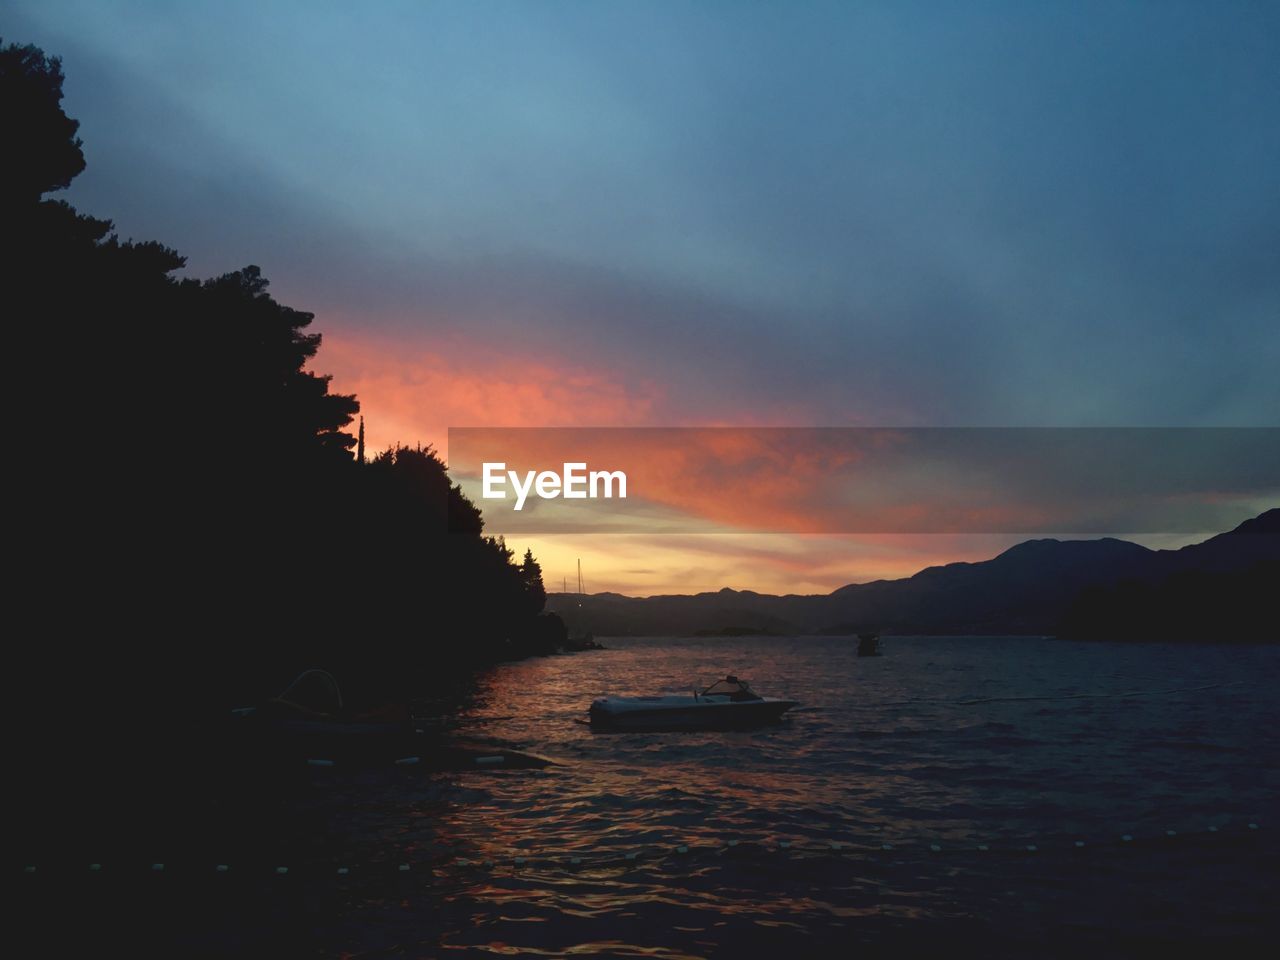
731 687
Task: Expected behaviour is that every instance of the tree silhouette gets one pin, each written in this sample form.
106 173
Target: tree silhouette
531 577
44 153
194 529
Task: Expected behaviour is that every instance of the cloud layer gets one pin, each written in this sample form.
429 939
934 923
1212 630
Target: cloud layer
683 214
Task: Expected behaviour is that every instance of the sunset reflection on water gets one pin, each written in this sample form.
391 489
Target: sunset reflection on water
932 745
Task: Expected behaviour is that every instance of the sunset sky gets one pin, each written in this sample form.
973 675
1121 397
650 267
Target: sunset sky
667 214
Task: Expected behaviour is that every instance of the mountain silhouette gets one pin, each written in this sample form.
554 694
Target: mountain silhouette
1031 588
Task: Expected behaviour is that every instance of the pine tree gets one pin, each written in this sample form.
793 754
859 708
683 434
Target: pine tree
531 577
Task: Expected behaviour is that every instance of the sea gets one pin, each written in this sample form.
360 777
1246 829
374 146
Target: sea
955 796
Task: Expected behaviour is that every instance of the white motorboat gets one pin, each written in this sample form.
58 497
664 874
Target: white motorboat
725 705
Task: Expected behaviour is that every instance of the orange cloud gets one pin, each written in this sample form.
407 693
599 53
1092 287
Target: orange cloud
793 480
807 482
412 392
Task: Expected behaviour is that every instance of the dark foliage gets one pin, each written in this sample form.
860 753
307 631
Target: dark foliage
191 528
44 152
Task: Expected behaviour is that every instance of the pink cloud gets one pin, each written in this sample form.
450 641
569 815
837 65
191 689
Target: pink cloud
411 392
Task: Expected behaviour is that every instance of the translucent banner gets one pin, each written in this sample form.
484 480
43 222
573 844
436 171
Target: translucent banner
1094 481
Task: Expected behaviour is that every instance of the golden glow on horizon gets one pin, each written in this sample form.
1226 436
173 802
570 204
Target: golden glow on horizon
411 393
646 565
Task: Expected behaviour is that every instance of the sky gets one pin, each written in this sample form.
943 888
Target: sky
682 214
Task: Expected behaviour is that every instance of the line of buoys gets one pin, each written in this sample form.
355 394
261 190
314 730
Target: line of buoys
656 853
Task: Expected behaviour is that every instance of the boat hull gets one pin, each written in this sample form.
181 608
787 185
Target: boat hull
662 714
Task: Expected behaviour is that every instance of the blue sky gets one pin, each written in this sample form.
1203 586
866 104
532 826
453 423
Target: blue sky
799 213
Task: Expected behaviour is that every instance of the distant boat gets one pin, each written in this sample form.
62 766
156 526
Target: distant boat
727 704
585 641
868 644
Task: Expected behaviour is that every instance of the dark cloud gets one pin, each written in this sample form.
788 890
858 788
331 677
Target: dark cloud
906 213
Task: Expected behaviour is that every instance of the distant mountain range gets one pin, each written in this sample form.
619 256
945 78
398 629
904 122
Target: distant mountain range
1075 587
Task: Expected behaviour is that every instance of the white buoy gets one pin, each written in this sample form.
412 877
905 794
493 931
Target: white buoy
983 847
935 848
680 849
519 861
784 844
836 845
575 860
282 870
1079 843
886 846
733 843
408 761
343 871
1212 828
632 855
95 867
221 868
1253 826
404 868
1127 837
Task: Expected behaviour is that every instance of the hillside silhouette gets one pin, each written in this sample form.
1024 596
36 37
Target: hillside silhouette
1217 589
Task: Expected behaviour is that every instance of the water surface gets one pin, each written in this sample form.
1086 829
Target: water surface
954 744
967 796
